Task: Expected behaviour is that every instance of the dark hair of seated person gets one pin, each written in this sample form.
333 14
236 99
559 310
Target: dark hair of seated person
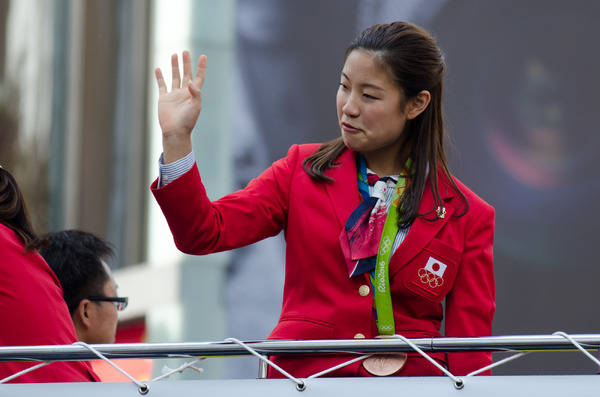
13 210
76 257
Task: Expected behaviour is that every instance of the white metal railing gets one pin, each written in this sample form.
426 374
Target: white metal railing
524 343
433 386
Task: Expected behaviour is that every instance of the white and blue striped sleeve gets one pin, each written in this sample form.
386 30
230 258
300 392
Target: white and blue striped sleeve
169 172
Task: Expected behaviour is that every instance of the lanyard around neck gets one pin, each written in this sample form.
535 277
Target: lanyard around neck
380 276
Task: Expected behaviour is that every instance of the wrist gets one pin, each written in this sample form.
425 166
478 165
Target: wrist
176 147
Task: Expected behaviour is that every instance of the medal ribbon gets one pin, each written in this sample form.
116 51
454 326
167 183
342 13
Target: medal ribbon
380 278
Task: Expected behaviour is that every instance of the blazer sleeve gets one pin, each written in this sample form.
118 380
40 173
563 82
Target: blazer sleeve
33 312
470 306
256 212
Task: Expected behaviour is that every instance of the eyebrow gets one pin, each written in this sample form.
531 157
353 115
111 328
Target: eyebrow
364 85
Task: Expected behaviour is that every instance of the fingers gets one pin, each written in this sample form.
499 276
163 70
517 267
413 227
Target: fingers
162 87
194 90
187 68
175 78
200 71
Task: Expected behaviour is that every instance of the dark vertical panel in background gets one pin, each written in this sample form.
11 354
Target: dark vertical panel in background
128 191
58 144
8 124
113 125
97 119
4 5
522 106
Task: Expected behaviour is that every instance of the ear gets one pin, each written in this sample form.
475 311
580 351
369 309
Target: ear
82 314
418 104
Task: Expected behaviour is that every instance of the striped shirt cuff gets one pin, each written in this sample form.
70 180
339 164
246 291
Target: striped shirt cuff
167 173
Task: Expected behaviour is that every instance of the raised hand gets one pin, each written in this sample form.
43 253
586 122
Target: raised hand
178 109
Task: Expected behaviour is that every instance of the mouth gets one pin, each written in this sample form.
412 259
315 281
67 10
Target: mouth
349 127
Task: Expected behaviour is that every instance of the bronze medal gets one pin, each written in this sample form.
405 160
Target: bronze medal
384 364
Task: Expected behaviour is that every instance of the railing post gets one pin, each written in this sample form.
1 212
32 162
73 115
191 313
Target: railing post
262 368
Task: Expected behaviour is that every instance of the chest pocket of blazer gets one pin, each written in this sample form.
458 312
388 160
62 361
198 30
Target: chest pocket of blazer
432 273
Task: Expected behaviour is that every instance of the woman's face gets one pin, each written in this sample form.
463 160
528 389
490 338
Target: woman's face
370 109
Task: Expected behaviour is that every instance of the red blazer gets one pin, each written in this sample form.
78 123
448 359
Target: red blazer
33 312
320 300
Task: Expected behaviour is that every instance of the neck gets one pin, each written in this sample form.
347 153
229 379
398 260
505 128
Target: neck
387 161
382 167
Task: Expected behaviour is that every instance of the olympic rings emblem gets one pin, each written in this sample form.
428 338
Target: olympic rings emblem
386 244
429 278
385 327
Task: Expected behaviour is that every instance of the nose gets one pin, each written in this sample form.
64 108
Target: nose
351 107
348 102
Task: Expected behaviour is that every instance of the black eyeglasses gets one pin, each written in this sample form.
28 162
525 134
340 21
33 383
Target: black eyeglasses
120 302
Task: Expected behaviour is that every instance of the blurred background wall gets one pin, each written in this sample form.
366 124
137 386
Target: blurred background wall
78 128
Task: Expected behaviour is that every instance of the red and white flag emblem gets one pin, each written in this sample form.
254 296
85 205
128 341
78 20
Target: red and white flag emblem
436 267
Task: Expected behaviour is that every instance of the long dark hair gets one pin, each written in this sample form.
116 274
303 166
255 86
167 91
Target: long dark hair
13 210
415 63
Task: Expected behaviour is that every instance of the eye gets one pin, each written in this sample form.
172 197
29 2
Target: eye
342 85
370 97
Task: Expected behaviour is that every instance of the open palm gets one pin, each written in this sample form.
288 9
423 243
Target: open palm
178 109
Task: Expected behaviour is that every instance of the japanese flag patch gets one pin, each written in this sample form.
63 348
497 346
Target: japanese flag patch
436 267
431 275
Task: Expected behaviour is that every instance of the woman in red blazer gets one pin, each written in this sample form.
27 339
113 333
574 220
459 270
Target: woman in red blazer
339 282
32 308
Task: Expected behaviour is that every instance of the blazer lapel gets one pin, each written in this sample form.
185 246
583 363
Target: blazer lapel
424 229
343 193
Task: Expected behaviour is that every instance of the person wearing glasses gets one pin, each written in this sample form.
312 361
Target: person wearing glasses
32 309
79 260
